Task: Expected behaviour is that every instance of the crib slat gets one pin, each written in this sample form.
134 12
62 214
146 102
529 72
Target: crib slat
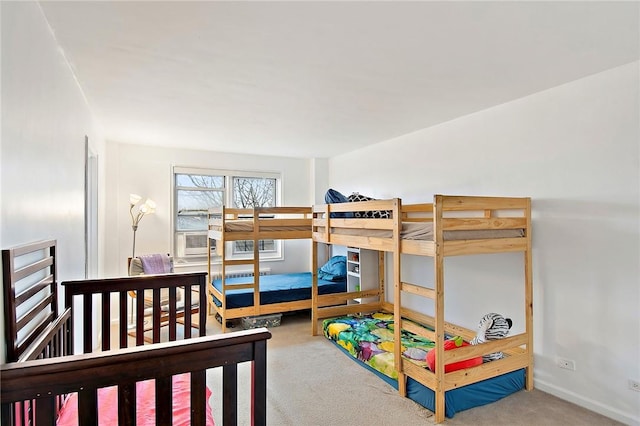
157 312
5 414
140 318
230 395
187 312
202 311
173 318
198 399
87 323
106 321
259 385
122 309
45 411
163 401
87 407
127 404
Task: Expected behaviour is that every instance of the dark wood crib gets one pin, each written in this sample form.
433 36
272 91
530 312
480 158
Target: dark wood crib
42 368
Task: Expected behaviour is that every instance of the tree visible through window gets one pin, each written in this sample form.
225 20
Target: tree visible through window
249 192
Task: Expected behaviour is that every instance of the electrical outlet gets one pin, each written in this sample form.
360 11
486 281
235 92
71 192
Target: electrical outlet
567 364
634 385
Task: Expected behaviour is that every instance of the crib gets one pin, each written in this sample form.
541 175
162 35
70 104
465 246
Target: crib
53 357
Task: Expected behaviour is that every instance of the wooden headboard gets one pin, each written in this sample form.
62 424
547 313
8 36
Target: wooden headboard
30 294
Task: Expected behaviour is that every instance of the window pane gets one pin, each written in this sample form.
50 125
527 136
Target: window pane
254 192
200 181
196 193
246 246
193 206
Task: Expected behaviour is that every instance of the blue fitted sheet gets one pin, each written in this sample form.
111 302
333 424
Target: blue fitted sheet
277 288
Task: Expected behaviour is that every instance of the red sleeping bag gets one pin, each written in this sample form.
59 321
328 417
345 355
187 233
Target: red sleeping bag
456 342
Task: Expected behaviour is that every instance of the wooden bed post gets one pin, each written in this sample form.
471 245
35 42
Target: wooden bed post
256 261
438 269
528 273
223 272
209 272
314 287
397 297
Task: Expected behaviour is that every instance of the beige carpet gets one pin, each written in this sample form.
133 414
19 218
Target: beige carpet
311 382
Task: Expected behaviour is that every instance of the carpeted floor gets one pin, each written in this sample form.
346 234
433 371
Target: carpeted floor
311 382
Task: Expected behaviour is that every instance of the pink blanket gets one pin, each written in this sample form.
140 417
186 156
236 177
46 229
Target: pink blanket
146 405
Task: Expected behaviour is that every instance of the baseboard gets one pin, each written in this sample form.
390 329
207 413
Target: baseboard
589 404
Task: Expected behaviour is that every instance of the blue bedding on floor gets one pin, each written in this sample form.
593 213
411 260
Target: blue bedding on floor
277 288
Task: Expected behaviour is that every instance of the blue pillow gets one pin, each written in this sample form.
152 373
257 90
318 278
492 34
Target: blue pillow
333 196
334 270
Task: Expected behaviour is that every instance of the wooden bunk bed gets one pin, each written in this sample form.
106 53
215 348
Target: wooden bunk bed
44 383
449 226
256 295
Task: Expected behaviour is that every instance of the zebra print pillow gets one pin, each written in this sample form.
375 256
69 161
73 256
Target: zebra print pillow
492 327
375 214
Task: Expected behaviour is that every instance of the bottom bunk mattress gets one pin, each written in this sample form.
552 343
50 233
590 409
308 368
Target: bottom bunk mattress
277 288
369 340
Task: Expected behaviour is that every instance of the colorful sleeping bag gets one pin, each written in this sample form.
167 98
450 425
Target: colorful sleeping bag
369 338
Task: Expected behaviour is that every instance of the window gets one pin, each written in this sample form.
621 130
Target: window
197 190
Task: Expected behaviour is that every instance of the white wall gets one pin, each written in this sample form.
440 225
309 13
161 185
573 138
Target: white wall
147 171
44 122
575 150
319 178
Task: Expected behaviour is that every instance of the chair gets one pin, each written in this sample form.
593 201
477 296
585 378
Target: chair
155 264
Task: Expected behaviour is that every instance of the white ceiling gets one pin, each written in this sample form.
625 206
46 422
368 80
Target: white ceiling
314 79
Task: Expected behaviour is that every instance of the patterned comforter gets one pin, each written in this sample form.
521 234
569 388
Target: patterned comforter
369 338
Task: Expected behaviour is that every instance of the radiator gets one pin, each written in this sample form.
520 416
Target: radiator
242 273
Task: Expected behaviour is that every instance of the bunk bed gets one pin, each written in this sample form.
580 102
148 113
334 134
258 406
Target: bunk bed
45 383
449 226
257 294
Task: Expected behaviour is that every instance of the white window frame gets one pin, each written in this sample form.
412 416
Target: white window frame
275 254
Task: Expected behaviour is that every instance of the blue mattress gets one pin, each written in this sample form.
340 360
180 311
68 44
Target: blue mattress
277 288
462 398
